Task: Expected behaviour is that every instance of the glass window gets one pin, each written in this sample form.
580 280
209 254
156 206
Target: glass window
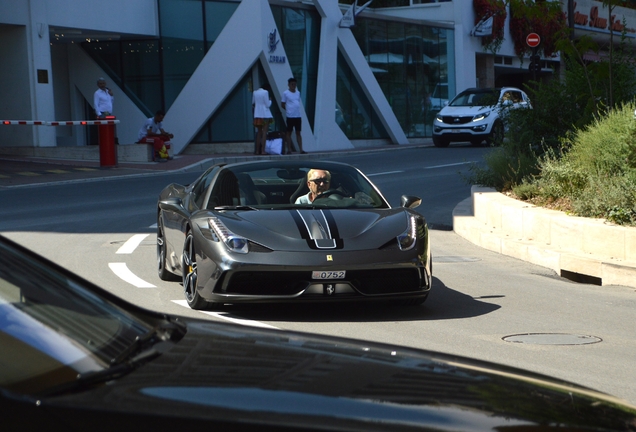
299 31
232 122
354 113
141 74
410 63
108 56
200 189
217 14
182 43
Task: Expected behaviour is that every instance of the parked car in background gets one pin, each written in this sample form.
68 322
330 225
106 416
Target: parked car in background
439 97
76 358
477 115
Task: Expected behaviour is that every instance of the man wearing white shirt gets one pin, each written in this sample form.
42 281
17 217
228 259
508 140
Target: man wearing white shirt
291 104
103 99
152 132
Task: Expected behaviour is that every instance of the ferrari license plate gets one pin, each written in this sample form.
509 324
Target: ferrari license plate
325 275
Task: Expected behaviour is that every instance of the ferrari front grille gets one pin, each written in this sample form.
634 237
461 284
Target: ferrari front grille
266 283
388 281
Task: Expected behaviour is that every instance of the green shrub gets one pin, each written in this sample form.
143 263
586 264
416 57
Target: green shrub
559 178
612 198
526 191
605 146
503 169
597 174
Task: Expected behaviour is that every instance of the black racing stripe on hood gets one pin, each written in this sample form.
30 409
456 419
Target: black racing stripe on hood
304 233
300 224
333 226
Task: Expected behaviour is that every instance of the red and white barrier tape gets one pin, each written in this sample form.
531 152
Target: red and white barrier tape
24 122
59 123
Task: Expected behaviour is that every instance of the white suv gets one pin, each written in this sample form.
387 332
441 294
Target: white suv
476 115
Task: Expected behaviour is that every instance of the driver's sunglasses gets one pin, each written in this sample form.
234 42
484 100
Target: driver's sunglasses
319 180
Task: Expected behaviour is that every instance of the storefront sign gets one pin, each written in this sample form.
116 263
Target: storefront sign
592 15
272 43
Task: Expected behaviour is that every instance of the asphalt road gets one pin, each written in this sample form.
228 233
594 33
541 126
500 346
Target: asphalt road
478 299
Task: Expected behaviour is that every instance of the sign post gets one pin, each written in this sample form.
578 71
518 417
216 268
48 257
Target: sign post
533 40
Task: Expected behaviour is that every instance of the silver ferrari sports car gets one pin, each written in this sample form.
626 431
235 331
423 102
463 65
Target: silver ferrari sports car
256 232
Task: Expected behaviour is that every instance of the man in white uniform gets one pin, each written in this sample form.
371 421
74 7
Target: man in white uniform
103 99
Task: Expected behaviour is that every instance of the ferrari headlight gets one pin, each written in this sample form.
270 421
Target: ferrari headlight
232 241
407 239
481 116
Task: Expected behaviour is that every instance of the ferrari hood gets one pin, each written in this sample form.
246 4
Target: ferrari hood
295 229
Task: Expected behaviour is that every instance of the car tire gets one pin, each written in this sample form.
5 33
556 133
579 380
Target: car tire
496 134
440 142
162 271
190 275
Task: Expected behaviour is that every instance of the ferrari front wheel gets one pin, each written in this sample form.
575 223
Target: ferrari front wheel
190 275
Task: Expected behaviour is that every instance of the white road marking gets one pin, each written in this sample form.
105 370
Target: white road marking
449 165
122 271
223 315
132 243
384 173
431 167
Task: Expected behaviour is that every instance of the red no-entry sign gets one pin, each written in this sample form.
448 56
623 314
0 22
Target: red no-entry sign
533 40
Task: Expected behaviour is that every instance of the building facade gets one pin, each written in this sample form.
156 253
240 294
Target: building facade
377 82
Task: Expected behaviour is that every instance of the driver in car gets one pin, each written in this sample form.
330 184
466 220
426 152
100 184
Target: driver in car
318 182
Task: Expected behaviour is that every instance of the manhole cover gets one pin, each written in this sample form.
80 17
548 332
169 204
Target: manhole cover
552 339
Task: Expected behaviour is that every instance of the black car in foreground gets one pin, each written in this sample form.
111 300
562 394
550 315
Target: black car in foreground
237 235
75 358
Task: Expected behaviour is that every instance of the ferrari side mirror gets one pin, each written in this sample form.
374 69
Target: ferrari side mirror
410 201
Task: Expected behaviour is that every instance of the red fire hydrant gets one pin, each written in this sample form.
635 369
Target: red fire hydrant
107 148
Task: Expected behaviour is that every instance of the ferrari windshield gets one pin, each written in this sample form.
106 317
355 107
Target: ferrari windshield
476 98
259 186
60 327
